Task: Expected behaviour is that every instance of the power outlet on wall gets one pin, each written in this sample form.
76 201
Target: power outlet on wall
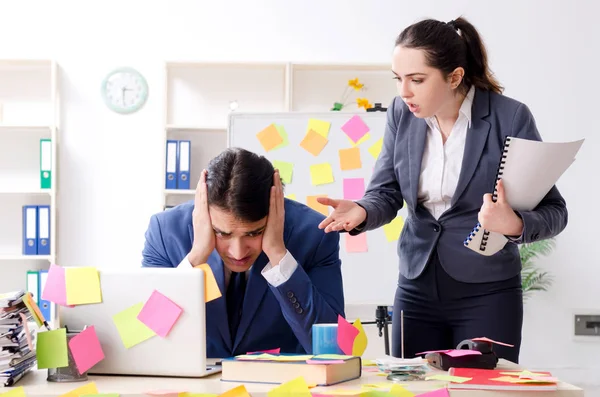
587 324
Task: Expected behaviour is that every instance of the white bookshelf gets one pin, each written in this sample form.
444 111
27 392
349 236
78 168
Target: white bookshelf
198 97
29 111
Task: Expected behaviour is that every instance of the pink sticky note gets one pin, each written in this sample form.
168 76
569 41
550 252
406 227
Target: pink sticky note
436 393
346 335
433 351
86 349
354 188
272 351
355 128
356 243
55 289
484 339
159 314
463 352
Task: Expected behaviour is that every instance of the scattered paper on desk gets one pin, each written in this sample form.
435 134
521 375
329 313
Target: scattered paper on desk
313 142
448 378
86 349
293 357
296 387
239 391
453 352
263 356
375 149
83 285
355 128
284 136
393 229
360 342
356 243
350 159
15 392
132 330
160 314
346 335
331 357
312 202
369 363
269 138
89 388
514 379
270 351
319 126
325 361
56 287
286 170
523 374
485 339
436 393
211 288
366 137
321 174
51 349
354 188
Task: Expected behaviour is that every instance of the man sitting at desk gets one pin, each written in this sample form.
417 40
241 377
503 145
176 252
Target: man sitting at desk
242 226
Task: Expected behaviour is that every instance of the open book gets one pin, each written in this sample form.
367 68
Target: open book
528 170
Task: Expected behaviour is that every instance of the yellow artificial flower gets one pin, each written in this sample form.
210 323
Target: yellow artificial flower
363 103
357 85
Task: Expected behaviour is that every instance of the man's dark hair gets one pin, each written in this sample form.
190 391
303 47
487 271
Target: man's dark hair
239 182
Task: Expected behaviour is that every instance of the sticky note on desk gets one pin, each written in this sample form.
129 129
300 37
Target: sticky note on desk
321 127
15 392
393 229
160 314
211 288
55 289
296 387
89 388
83 285
51 349
239 391
321 174
101 395
86 349
286 170
132 330
350 159
448 378
355 128
269 138
313 142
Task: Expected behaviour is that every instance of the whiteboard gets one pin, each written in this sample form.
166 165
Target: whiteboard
369 277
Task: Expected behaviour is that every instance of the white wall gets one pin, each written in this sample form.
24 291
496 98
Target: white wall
545 53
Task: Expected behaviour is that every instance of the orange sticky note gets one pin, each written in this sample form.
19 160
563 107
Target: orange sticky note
313 142
269 138
350 159
239 391
312 202
211 288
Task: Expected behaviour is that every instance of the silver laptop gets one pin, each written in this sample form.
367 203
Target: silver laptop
181 353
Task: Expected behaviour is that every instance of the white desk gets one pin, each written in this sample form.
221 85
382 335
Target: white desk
35 385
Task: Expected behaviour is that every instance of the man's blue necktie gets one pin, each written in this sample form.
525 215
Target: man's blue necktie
235 300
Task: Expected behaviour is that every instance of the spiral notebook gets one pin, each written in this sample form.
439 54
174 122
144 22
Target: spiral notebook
528 170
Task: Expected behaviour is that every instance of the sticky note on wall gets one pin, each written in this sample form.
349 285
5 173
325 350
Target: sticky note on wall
356 243
393 229
321 174
350 159
312 202
321 127
375 149
355 128
354 188
269 138
313 142
286 170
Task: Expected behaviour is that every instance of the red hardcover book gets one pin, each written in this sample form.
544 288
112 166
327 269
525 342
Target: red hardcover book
503 379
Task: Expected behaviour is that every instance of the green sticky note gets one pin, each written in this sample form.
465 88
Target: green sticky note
285 170
283 134
132 330
51 349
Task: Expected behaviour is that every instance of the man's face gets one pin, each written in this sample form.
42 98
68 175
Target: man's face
238 243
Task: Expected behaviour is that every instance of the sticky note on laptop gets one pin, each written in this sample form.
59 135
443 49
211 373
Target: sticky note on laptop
160 314
83 285
211 288
132 330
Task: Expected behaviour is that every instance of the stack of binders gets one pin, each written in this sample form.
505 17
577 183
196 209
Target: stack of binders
178 165
17 355
36 230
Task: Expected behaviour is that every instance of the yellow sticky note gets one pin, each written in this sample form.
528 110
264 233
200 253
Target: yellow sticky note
522 373
291 196
211 288
319 126
350 159
321 174
365 137
313 142
312 202
284 137
293 358
448 378
269 138
286 170
187 394
342 392
375 149
15 392
399 391
296 387
393 229
360 342
83 285
89 388
51 349
239 391
132 330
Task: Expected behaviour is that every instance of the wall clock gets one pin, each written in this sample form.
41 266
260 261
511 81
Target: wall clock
124 90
